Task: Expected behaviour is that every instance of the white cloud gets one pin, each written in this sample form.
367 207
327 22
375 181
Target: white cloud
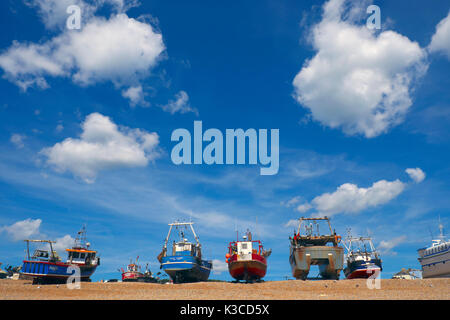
303 207
180 104
17 140
358 81
416 174
119 49
135 95
349 198
291 202
102 145
219 266
440 42
54 12
385 247
22 230
59 128
291 223
62 244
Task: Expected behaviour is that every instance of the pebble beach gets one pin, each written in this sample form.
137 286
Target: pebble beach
356 289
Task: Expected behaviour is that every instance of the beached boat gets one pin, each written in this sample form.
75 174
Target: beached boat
247 259
185 263
134 273
435 259
45 266
362 259
311 248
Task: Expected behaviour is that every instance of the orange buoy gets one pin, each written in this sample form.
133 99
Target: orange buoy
227 255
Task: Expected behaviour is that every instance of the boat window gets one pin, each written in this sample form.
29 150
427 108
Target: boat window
244 246
75 255
82 255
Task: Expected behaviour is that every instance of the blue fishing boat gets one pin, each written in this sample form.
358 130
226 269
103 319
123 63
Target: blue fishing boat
45 266
185 264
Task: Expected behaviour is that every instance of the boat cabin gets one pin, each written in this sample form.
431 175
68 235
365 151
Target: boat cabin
80 256
133 268
244 247
184 248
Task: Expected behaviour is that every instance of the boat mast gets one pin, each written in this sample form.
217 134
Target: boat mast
300 225
195 235
441 230
168 235
28 248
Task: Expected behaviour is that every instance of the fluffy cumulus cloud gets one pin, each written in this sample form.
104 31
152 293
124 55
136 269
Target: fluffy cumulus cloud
180 104
136 96
359 80
102 145
440 42
22 230
416 174
119 49
63 243
349 198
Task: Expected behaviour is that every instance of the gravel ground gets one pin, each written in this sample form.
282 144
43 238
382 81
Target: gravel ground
436 289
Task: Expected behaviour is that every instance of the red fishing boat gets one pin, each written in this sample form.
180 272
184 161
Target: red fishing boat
247 259
134 274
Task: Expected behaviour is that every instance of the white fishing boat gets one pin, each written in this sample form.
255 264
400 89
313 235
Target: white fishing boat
435 260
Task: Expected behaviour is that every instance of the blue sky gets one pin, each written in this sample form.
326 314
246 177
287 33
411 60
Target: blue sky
355 108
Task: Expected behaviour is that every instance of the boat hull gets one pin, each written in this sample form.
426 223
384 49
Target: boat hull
182 269
54 272
329 259
252 269
436 265
362 269
131 276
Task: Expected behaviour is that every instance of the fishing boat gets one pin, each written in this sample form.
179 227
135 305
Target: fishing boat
134 273
247 259
45 266
363 261
185 263
312 248
435 259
